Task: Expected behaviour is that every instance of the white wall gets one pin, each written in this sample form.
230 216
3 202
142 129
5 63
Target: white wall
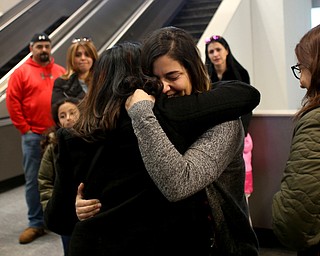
262 35
297 21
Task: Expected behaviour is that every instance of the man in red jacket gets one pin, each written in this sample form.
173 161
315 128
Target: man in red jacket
28 101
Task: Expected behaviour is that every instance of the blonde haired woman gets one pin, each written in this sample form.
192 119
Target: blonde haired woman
81 56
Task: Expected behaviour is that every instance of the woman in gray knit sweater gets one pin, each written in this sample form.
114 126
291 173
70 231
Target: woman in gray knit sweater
213 163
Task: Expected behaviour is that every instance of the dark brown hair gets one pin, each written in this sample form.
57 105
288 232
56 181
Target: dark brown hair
233 65
116 75
179 45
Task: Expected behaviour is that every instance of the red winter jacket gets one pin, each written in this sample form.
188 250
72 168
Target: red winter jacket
28 95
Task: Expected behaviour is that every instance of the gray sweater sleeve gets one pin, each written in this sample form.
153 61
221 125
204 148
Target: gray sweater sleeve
179 176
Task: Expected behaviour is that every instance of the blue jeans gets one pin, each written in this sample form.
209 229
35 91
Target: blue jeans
31 152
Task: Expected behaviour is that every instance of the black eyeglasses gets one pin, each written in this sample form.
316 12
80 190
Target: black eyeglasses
212 38
296 71
82 39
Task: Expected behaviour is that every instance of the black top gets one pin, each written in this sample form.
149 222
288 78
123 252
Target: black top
63 88
240 74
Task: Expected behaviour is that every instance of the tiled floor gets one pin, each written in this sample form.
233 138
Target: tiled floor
13 220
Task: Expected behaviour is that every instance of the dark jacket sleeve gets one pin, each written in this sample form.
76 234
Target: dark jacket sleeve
247 117
189 116
57 92
63 88
244 76
60 216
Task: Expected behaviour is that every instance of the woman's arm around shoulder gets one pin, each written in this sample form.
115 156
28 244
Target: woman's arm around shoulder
194 114
181 175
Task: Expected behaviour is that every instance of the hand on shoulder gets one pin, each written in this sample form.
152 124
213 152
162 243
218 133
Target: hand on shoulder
137 96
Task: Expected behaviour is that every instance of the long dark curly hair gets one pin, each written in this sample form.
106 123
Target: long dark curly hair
116 75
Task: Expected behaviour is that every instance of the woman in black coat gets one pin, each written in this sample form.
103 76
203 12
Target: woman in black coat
103 153
223 66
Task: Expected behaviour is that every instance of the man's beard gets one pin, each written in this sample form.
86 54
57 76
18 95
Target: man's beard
44 57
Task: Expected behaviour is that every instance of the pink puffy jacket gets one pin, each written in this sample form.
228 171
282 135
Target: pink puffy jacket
247 154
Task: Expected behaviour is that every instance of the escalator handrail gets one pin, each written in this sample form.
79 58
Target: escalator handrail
124 28
15 12
73 21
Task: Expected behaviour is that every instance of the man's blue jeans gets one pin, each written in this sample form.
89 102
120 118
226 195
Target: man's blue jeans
31 151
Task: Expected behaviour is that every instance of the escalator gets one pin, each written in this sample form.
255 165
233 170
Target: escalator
106 22
191 15
26 18
195 16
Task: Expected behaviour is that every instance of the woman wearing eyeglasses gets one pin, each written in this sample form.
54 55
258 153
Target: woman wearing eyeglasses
81 56
296 207
223 66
